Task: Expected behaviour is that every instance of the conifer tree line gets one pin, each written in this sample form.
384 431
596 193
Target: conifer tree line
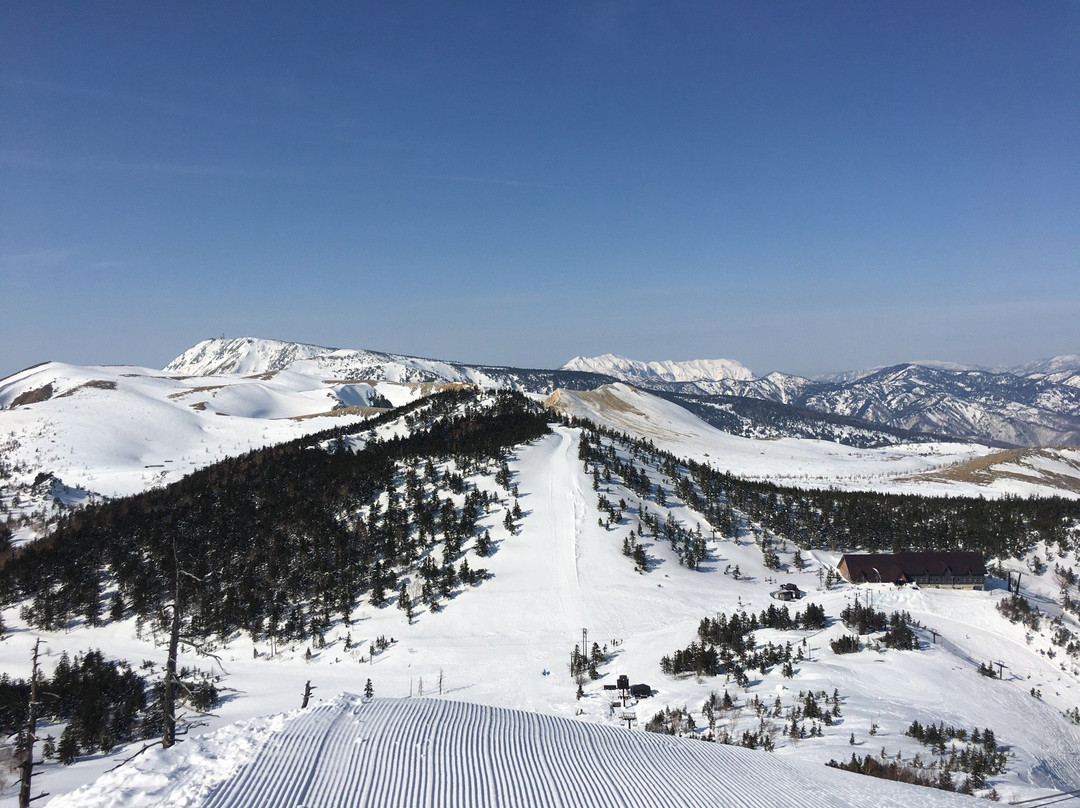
104 702
804 718
281 541
726 644
831 518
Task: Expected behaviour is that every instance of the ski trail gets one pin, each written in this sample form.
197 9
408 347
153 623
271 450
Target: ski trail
566 510
420 753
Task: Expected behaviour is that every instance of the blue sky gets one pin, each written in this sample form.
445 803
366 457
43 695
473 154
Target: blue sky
803 187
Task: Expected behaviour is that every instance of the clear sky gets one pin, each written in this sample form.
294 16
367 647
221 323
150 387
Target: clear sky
802 186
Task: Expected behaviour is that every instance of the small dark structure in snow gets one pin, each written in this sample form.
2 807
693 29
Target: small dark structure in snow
954 569
788 592
629 691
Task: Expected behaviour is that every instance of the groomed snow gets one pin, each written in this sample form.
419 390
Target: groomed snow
425 753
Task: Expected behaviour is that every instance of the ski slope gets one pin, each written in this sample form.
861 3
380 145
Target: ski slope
563 572
425 753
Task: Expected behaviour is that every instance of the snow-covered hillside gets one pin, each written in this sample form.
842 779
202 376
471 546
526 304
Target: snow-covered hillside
423 753
248 356
70 433
243 356
924 468
1033 405
1063 369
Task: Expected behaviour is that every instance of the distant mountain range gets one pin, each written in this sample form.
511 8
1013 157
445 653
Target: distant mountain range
1036 404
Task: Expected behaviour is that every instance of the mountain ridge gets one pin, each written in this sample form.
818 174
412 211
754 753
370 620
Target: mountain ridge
1000 407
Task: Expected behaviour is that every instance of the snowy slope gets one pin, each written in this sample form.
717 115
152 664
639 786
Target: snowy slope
250 356
113 431
925 468
1033 405
244 355
425 753
1063 369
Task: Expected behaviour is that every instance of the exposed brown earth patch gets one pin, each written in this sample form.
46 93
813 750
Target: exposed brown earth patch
35 396
95 384
189 391
601 397
1012 464
355 409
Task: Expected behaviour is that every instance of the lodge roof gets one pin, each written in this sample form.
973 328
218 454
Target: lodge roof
908 565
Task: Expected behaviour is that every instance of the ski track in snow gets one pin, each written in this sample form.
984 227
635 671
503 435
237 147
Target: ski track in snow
564 499
351 753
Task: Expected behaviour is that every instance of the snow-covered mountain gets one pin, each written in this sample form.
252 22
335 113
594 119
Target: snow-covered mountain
562 565
249 356
69 434
1040 407
971 403
845 376
1033 405
240 356
1063 369
647 373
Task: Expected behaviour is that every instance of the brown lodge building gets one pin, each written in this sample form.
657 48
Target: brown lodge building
953 568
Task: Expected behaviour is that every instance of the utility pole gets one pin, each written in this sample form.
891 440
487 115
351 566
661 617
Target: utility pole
1001 669
585 643
934 632
27 765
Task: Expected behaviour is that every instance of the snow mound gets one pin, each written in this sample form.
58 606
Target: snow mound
424 752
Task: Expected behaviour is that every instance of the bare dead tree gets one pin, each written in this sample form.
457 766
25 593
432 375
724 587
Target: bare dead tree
172 681
26 767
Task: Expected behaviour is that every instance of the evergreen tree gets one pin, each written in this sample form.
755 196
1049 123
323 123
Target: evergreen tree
68 748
